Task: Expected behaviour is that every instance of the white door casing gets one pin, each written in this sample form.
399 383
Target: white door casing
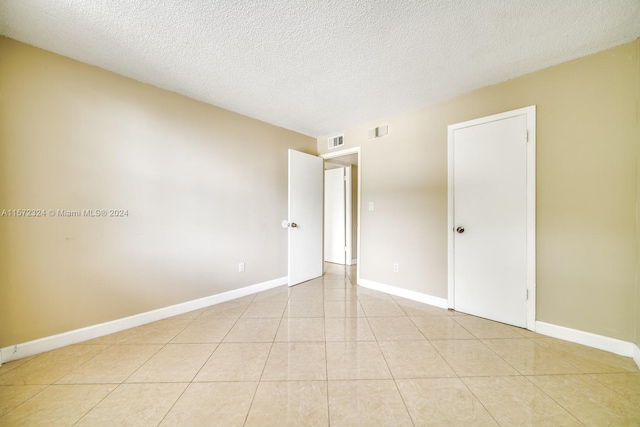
492 196
334 216
306 174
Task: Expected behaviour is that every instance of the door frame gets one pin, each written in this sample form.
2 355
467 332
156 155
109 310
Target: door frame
342 153
530 113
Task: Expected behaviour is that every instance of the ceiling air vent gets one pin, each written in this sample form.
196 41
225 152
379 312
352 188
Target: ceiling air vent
336 141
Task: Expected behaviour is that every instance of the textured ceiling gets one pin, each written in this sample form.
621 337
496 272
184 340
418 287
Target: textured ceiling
321 66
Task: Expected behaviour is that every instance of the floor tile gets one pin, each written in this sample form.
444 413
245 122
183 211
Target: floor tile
235 362
281 293
205 330
365 294
8 366
626 385
14 395
253 330
348 329
414 308
356 360
443 402
47 368
110 338
173 363
441 328
319 352
395 329
376 308
229 309
586 359
301 329
414 359
306 292
515 401
337 284
296 361
349 308
344 294
205 404
59 405
472 358
259 309
304 309
366 403
588 400
160 332
134 405
529 358
114 365
289 403
483 328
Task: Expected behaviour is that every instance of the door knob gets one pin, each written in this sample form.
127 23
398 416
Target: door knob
294 225
460 230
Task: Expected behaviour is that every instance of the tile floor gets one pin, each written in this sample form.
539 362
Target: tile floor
322 353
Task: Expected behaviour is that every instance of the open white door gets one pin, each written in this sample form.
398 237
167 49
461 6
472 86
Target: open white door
305 216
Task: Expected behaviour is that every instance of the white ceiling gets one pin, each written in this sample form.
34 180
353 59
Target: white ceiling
321 66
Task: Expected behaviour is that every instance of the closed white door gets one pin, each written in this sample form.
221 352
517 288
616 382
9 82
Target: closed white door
305 217
334 216
490 219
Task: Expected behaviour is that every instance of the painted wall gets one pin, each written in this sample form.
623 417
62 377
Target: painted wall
587 149
204 189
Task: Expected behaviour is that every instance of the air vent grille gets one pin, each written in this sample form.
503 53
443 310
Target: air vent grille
336 141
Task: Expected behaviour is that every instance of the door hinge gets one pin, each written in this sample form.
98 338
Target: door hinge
527 295
344 178
526 135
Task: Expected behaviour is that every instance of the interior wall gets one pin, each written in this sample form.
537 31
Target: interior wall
587 143
204 189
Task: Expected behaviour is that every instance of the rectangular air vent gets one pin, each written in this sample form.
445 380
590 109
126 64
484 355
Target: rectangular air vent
336 141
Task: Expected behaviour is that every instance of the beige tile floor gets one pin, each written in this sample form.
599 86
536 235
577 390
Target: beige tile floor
322 353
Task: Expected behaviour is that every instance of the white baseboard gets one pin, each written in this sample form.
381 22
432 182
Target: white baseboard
404 293
353 261
636 355
612 345
19 351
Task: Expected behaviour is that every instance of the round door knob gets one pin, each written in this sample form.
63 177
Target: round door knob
460 230
294 225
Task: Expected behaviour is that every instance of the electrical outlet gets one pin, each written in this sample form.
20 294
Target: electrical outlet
241 267
371 206
396 267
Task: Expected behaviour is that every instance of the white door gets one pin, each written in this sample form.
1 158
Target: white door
490 218
305 217
334 216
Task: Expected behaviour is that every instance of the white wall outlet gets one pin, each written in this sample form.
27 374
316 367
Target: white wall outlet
371 206
396 267
241 267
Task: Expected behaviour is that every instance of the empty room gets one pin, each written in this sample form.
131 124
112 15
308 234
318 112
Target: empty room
363 213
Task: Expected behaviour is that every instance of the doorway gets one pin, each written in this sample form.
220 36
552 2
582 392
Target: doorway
492 217
342 212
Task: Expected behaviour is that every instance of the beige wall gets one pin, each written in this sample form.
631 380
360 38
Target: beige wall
588 136
205 189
